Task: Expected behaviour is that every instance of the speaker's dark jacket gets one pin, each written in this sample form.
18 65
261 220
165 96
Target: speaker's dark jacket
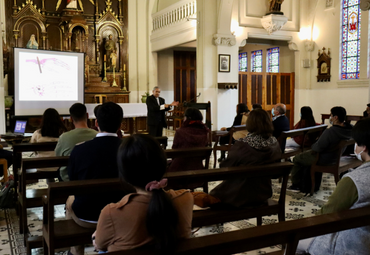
155 115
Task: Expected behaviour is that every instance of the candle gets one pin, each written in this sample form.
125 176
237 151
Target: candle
124 67
105 58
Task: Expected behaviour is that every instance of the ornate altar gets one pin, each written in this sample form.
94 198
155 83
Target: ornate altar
88 26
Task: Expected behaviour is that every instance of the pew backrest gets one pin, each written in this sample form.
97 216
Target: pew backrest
197 152
289 233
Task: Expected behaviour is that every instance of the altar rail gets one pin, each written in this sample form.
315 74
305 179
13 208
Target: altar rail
180 11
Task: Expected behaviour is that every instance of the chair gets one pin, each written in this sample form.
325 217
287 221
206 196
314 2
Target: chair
341 164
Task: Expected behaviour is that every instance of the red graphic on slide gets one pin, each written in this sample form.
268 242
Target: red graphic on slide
39 90
56 62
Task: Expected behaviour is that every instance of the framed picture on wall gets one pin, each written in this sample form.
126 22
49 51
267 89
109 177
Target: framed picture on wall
224 63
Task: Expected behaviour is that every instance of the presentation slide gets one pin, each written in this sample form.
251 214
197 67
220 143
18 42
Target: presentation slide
47 79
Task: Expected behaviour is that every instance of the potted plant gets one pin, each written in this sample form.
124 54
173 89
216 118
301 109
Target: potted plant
144 97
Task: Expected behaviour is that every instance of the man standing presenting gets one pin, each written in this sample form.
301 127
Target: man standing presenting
81 133
156 112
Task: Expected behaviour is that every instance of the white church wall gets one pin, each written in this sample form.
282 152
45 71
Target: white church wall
166 74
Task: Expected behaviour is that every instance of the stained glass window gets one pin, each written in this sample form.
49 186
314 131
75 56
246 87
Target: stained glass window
243 62
257 61
351 33
273 60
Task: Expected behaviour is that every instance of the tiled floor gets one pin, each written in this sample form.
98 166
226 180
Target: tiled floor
297 206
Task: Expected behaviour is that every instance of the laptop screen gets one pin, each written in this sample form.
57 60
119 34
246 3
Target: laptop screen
20 126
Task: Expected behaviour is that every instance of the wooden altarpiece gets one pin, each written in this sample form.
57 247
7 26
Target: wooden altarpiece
85 28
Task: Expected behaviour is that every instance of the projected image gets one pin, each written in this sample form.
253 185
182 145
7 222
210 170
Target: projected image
47 77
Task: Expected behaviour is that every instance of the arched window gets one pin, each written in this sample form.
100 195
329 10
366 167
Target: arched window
273 60
243 62
351 34
257 61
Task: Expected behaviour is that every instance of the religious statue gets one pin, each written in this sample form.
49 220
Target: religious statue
72 4
275 6
32 44
113 57
110 47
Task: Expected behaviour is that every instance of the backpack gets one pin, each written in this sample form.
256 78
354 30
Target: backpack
7 194
305 185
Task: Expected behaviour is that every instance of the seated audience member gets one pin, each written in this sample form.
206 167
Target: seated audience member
8 155
81 133
242 112
119 131
95 159
351 192
307 120
329 139
256 106
151 215
280 122
258 148
51 128
367 111
193 133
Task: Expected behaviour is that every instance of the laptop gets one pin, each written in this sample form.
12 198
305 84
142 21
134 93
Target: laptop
19 129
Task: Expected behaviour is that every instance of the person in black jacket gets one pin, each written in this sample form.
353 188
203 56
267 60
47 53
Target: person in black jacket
280 122
241 109
156 112
95 159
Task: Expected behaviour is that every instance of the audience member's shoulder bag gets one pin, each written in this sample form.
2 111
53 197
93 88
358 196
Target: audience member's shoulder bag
7 193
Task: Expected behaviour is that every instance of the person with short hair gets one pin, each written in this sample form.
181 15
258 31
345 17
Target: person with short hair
280 122
95 159
81 133
151 215
351 192
259 147
156 112
329 139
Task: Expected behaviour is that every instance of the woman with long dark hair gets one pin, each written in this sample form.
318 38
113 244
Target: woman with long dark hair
307 120
50 129
151 215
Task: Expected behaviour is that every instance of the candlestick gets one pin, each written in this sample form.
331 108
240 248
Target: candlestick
105 71
124 67
114 84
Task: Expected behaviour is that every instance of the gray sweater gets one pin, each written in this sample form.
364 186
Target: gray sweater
354 241
329 139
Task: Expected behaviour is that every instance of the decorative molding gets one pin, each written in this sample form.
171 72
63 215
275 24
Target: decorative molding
309 45
365 5
224 40
273 23
269 37
353 83
292 46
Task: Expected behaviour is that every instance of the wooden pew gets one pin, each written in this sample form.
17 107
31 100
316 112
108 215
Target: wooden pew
289 233
305 132
221 215
198 152
216 135
29 198
341 165
65 233
349 118
19 148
